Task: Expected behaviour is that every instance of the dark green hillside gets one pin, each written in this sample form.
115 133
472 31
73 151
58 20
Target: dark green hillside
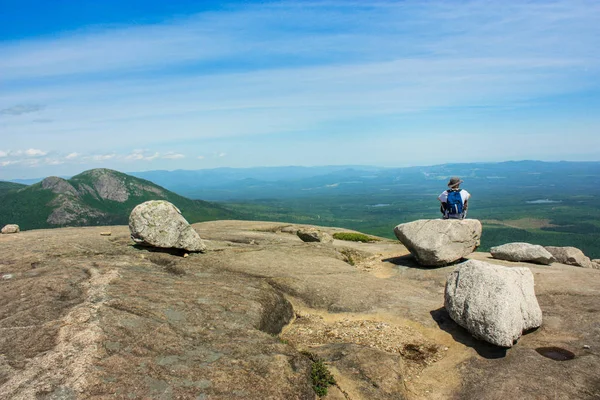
9 186
95 197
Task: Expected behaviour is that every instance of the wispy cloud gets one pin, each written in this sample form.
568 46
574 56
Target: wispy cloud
21 109
287 69
141 154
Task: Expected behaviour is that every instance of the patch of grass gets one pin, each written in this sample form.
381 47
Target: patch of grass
319 374
348 255
416 352
354 237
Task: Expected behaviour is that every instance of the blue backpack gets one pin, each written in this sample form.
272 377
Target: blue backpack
454 204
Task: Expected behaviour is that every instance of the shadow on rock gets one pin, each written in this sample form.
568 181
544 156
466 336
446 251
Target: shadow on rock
171 251
408 260
461 335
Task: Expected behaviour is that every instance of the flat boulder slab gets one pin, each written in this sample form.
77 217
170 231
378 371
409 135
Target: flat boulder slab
314 235
570 256
519 251
438 242
11 228
158 223
493 302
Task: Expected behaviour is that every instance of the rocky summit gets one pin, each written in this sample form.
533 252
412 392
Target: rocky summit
263 315
94 197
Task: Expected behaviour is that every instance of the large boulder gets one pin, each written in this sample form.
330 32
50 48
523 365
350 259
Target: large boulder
314 235
11 228
159 223
437 242
493 302
570 256
519 251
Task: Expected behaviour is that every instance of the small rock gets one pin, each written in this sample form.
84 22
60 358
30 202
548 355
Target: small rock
7 276
570 256
314 235
11 228
519 251
105 233
186 255
586 346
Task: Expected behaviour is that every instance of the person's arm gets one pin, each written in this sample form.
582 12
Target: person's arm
442 198
466 203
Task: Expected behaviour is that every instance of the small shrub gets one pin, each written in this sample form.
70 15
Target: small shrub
319 374
354 237
321 378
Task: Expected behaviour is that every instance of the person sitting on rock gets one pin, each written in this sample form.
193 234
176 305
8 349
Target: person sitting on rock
454 200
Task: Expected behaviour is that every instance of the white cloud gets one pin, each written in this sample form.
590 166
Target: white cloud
141 154
3 153
200 157
135 156
173 156
334 65
72 156
35 153
103 157
152 157
222 154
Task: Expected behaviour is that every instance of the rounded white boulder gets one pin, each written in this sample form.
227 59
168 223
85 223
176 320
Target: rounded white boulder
159 223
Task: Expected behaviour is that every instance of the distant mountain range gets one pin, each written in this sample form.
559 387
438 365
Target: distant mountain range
94 197
242 184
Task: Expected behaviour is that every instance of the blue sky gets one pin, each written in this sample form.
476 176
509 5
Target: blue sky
141 85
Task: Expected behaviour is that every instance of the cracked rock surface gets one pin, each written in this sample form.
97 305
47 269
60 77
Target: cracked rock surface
85 316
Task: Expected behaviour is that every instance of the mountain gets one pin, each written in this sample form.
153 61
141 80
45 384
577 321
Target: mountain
219 183
94 197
